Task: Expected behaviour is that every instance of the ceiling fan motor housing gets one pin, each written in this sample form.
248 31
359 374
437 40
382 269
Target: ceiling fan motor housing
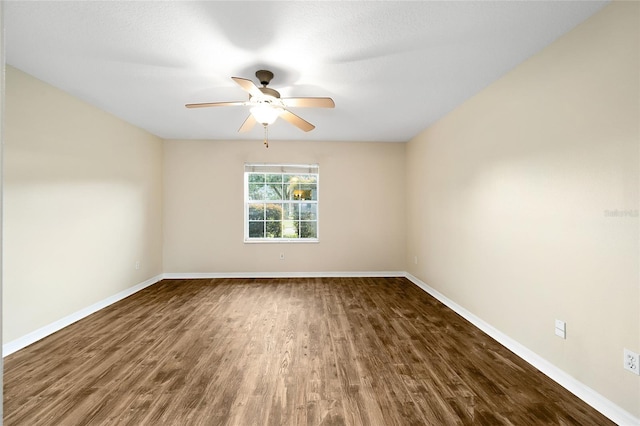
264 76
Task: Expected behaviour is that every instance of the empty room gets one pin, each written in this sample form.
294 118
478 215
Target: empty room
320 213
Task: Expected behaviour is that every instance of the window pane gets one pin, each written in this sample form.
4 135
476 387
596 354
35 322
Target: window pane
308 230
288 191
308 191
256 191
299 192
256 211
256 229
301 177
275 178
301 187
274 212
274 229
290 211
274 192
289 229
308 211
256 177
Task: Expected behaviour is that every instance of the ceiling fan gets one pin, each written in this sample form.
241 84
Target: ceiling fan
267 105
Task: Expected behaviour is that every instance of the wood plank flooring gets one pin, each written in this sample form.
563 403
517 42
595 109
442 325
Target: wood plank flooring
304 351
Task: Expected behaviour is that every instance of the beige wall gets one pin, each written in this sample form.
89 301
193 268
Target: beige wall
82 194
2 97
516 194
361 207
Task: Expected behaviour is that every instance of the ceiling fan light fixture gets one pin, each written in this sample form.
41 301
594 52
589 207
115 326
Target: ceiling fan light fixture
265 114
267 105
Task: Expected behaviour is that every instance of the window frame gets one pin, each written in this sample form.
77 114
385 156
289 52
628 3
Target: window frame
281 169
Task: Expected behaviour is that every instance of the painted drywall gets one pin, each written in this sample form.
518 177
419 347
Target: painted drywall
2 97
83 203
524 205
361 207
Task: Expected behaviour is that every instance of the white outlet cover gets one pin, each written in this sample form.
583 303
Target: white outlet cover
631 361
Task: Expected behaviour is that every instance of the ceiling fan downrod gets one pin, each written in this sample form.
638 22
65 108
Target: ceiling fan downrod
266 136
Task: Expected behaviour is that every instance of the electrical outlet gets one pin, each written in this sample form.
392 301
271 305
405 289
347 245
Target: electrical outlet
415 259
137 264
631 361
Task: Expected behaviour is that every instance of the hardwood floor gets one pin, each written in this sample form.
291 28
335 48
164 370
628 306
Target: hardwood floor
304 351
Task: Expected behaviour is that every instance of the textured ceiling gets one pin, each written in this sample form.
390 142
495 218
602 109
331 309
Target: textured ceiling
393 68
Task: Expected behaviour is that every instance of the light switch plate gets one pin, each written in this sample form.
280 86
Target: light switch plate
561 329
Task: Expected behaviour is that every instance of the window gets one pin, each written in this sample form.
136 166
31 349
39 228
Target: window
281 203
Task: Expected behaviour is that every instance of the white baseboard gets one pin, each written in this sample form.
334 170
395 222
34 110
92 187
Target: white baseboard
34 336
614 412
196 275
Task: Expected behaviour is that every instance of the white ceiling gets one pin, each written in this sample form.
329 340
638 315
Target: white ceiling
393 68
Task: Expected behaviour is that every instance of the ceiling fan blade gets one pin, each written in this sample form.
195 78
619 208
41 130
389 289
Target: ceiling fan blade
248 86
215 104
248 124
309 102
297 121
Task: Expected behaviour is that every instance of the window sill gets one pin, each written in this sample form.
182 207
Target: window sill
282 241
